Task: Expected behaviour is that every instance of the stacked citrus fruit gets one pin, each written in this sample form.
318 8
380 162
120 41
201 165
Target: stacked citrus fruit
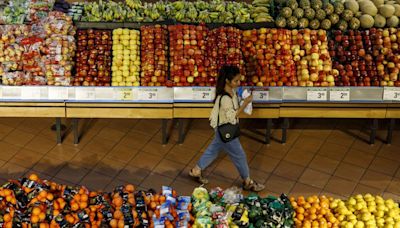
313 211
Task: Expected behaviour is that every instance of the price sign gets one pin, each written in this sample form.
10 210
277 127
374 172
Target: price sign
30 93
125 94
85 94
317 95
58 93
339 95
148 94
260 95
11 92
391 94
202 94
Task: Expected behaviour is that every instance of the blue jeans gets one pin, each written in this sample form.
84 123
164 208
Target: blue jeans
234 150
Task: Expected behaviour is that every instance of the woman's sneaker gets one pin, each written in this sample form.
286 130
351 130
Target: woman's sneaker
253 186
198 176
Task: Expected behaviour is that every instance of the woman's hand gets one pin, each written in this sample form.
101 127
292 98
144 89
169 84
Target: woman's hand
248 100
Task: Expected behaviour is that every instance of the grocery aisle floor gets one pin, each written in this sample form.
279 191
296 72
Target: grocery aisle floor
334 160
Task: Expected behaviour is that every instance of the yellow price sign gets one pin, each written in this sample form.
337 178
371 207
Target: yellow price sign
126 94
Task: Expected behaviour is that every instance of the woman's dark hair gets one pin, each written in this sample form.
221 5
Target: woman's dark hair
226 72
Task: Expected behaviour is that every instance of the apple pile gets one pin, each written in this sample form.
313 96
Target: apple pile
389 68
367 211
353 56
126 58
268 57
93 64
311 55
228 41
154 57
187 55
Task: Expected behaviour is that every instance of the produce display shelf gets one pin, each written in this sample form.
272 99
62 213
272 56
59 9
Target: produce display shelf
137 25
182 103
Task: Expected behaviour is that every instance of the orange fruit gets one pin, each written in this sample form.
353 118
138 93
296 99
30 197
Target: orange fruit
84 197
7 217
131 200
162 199
130 188
70 219
55 213
153 205
74 206
93 194
83 205
36 211
118 214
117 201
121 223
77 197
7 192
300 210
42 216
43 225
33 177
43 194
34 219
50 197
300 217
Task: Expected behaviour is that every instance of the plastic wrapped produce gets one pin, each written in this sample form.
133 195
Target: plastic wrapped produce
31 60
15 12
60 50
38 9
58 23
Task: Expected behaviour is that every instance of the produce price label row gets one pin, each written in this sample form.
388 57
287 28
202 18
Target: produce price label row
196 94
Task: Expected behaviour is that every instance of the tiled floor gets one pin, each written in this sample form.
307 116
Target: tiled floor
320 156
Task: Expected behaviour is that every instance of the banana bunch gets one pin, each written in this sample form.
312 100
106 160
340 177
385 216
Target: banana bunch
215 11
260 11
92 12
108 11
240 11
134 4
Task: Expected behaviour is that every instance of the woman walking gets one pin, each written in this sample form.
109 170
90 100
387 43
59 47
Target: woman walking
225 112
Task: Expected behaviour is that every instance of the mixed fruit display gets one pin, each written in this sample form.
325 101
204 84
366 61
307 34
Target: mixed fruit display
33 202
316 43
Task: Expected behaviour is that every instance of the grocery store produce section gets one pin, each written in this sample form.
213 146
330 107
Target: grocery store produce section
160 60
32 202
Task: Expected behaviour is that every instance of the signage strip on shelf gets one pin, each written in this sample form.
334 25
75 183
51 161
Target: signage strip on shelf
197 94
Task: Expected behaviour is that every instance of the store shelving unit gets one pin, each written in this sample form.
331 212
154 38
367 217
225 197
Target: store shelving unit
183 103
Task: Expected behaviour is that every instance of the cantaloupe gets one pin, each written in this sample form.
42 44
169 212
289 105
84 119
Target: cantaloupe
396 10
380 21
392 22
378 2
367 21
369 8
352 5
386 10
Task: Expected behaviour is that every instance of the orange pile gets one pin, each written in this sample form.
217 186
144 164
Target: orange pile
313 212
